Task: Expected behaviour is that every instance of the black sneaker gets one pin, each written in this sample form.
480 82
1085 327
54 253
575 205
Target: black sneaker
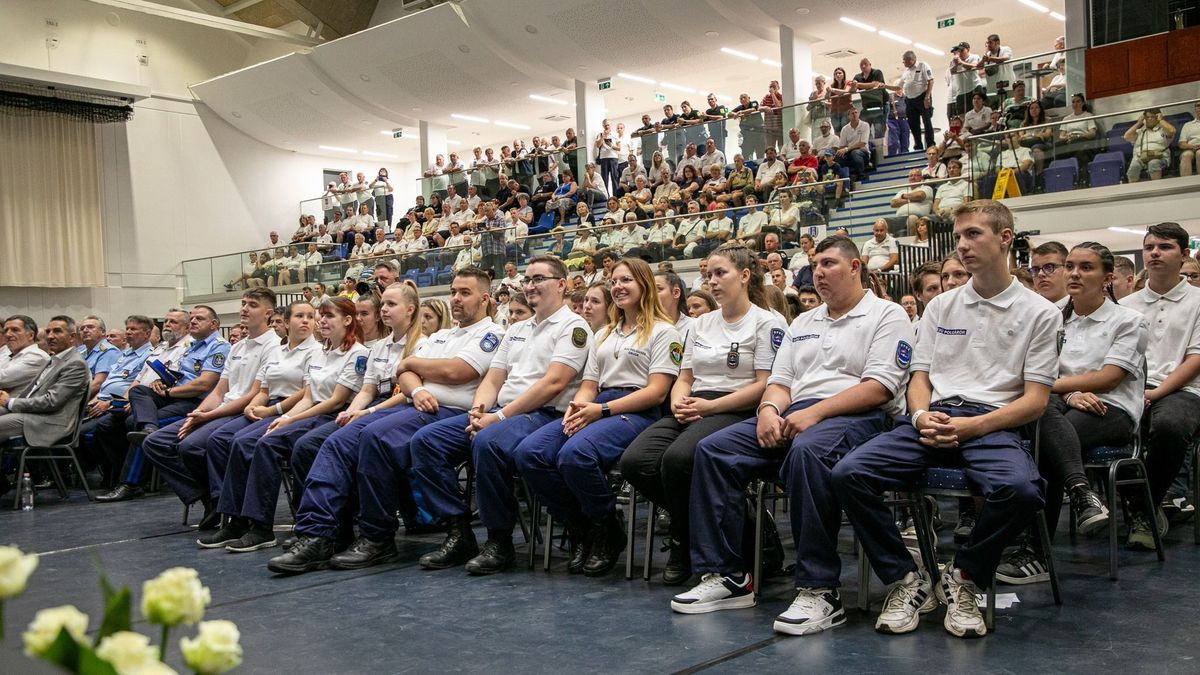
1022 566
966 520
230 534
1178 508
365 553
306 555
679 567
1090 513
458 547
607 543
257 537
493 557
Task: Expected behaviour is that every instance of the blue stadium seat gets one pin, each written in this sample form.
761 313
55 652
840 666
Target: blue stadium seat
1106 169
1060 176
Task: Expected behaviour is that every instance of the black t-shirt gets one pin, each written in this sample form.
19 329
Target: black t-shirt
720 111
548 187
875 75
673 119
692 116
646 127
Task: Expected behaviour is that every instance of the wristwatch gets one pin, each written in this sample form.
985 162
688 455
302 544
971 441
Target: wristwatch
604 411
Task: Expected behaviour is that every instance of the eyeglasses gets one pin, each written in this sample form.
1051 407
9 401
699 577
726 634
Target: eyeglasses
1191 276
535 280
1047 269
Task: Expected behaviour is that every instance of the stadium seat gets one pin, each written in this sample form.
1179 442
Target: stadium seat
1106 169
1060 176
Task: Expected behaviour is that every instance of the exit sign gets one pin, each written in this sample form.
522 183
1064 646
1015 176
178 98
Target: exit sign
397 133
605 85
945 21
660 97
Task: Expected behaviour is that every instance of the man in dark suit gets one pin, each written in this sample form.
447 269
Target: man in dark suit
49 412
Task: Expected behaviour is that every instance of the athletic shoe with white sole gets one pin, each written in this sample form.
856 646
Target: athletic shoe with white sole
1090 513
1140 536
256 538
813 610
1178 508
906 601
963 618
716 592
1022 566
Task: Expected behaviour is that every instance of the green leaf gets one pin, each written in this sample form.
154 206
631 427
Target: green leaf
63 652
90 664
106 587
116 614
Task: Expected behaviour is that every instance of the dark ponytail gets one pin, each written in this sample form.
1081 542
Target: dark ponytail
1107 262
742 258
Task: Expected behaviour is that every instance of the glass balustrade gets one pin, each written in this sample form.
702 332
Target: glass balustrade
1051 78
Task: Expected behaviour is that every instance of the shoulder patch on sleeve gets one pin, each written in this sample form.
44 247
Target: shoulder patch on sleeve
676 353
776 338
904 353
360 365
579 337
489 342
219 360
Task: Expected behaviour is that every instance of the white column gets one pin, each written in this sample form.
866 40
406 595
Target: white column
433 143
795 78
589 115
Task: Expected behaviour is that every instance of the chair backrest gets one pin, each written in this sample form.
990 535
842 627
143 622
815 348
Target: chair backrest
73 441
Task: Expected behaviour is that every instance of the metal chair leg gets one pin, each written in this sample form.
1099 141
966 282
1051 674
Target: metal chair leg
647 559
186 509
864 577
758 537
1195 491
546 539
1048 551
925 539
631 522
59 483
1113 563
20 477
989 613
1151 511
82 477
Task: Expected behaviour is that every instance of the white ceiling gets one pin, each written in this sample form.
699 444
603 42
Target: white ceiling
486 63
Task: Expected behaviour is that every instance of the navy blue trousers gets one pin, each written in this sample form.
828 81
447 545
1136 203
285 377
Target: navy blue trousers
996 465
254 474
183 464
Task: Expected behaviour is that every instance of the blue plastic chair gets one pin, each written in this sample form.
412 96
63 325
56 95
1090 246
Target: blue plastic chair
1060 176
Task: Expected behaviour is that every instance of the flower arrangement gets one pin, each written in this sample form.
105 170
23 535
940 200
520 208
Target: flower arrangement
58 635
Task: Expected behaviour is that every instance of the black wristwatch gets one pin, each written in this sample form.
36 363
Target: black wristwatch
604 410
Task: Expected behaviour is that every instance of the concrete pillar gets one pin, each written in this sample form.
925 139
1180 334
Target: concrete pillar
589 115
795 55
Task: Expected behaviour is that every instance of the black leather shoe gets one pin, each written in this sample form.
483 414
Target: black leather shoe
581 549
493 557
365 553
211 519
121 493
229 534
458 547
679 568
608 541
136 437
306 555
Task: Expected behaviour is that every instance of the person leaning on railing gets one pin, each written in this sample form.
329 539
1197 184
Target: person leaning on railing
1189 144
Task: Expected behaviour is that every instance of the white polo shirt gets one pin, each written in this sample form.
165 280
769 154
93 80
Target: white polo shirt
921 208
331 367
914 81
475 344
823 357
690 228
879 253
1079 124
1174 323
1111 335
529 348
246 358
751 224
850 135
985 350
724 356
1013 158
283 373
381 366
684 324
768 170
617 360
953 193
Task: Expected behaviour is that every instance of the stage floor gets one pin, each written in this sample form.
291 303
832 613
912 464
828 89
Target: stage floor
399 618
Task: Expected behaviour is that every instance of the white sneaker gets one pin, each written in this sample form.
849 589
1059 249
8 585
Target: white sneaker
715 592
963 618
906 601
813 610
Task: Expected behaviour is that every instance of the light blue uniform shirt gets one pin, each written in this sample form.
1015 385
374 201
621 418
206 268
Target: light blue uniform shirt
204 356
101 357
124 371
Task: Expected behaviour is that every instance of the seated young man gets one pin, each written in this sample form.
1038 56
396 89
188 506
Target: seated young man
985 361
1172 309
834 382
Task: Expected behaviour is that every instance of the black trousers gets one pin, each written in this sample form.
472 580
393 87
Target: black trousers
920 117
1065 434
1173 422
659 464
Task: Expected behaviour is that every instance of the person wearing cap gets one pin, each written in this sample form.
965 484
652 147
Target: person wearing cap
964 68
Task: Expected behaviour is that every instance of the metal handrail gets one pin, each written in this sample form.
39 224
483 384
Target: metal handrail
1053 125
1021 59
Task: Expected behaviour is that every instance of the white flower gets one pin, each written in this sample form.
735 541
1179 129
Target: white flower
175 596
48 622
15 569
127 652
215 649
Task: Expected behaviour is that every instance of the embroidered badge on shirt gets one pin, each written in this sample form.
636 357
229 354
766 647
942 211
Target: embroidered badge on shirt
360 365
489 342
776 338
218 360
197 365
579 337
903 354
676 353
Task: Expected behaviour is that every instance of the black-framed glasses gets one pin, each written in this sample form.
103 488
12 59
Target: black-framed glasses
1191 276
536 280
1047 269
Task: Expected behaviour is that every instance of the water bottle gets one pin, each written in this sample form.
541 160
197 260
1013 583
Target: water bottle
26 492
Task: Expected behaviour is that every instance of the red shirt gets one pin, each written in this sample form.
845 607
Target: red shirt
810 161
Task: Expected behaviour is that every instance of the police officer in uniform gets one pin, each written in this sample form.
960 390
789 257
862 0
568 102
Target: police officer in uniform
123 375
532 378
97 351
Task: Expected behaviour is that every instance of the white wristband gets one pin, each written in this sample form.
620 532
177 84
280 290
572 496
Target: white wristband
769 403
500 415
417 390
371 410
279 408
916 416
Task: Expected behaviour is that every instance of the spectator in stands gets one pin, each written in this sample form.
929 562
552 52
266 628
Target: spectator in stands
770 104
853 146
996 67
872 90
921 235
751 224
381 192
689 184
363 195
346 193
607 150
330 201
916 87
1055 93
913 201
784 216
655 171
1123 277
21 360
642 196
712 156
840 104
979 117
1151 137
592 186
750 125
1017 157
881 253
565 195
632 170
791 146
1014 108
964 67
1077 134
543 197
1189 144
1040 139
802 158
933 168
818 101
767 170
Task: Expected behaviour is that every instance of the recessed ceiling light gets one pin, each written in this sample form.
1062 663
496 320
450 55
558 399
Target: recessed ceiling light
450 141
236 114
531 29
858 24
416 110
514 84
581 67
385 132
897 38
364 77
464 49
677 87
1056 15
384 155
976 21
469 118
337 149
711 34
1030 3
635 78
926 48
511 125
769 62
547 99
803 10
314 92
739 54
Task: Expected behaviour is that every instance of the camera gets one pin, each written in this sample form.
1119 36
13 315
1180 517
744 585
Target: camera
1021 246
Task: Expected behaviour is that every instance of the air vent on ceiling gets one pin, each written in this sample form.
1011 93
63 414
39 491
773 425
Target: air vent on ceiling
841 54
555 118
